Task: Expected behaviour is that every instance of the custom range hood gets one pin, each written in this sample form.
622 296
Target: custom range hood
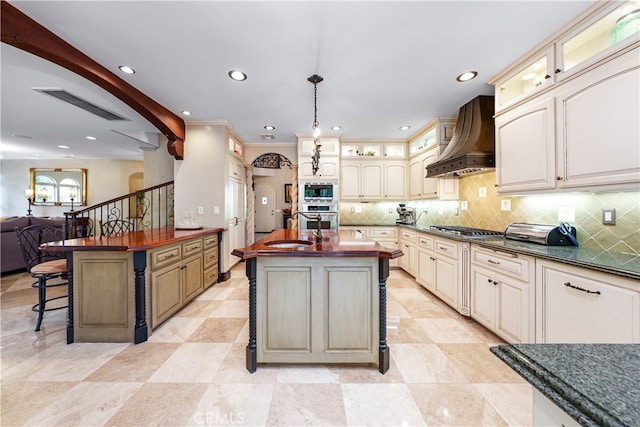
472 147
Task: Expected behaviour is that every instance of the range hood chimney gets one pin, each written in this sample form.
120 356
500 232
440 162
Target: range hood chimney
472 147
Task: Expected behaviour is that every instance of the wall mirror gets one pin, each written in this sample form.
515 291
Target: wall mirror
58 187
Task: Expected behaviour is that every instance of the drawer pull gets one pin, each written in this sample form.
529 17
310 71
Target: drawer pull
569 285
432 258
490 261
166 257
442 248
196 246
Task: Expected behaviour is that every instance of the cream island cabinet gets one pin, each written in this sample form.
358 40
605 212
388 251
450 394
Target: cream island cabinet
124 285
317 301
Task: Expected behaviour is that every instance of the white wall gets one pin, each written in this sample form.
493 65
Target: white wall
106 179
158 164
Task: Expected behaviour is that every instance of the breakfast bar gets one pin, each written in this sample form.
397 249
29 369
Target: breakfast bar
121 286
317 298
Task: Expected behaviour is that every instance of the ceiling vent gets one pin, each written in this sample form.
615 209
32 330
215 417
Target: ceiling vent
267 136
69 98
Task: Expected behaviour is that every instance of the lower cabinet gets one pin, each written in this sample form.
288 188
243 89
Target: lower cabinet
387 237
408 245
178 274
312 310
502 293
577 305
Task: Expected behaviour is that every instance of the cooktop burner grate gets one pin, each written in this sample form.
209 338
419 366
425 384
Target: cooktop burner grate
465 231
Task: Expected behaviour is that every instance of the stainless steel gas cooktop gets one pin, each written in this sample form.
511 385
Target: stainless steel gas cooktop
465 231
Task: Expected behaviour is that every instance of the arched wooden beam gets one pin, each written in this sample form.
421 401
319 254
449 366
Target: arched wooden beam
20 31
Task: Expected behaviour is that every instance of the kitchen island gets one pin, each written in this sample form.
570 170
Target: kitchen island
114 297
585 384
317 301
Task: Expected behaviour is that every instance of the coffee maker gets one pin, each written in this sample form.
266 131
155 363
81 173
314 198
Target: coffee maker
406 215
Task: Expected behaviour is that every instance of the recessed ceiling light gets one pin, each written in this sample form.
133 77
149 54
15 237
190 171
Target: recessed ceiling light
63 146
237 75
91 138
336 128
466 76
186 112
126 69
405 127
270 127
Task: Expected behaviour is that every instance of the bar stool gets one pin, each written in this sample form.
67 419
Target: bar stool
44 266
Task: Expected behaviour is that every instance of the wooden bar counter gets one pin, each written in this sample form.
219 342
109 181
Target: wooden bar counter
316 301
112 276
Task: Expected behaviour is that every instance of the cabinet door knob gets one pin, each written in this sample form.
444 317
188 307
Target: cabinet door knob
558 70
558 178
547 77
489 280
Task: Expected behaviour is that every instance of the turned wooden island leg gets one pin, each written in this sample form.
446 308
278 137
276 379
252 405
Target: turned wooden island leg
139 267
70 297
251 352
383 354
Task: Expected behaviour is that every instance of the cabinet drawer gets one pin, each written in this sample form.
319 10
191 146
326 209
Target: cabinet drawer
191 247
211 241
426 242
210 276
382 232
165 256
210 258
514 265
448 249
409 236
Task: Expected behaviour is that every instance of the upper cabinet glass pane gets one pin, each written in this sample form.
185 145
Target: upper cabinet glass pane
533 76
394 150
371 150
622 23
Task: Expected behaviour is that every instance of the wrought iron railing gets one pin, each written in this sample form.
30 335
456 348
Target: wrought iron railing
145 209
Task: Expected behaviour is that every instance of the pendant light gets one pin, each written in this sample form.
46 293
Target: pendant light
315 159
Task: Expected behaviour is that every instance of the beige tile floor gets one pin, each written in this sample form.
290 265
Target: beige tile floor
192 371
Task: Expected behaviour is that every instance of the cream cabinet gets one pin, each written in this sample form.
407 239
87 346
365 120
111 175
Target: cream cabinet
447 286
555 141
422 187
408 245
388 237
395 180
426 275
328 167
177 276
330 146
361 180
578 305
317 310
369 150
502 293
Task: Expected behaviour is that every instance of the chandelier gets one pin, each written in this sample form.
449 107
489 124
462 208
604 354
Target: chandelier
315 158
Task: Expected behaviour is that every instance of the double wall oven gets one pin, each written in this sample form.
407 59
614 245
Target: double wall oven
318 198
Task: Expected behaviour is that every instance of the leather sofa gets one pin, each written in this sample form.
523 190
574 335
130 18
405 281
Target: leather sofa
10 256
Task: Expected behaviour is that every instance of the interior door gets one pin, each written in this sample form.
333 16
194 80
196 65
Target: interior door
265 220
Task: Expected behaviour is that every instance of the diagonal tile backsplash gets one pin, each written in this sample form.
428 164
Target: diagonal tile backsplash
485 212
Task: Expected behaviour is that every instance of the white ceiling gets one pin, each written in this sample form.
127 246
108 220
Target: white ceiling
385 64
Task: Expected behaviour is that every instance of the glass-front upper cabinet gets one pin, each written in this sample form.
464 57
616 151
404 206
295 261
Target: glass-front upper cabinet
365 149
533 76
425 140
613 27
396 150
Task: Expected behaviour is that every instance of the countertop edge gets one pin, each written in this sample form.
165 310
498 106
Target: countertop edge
556 390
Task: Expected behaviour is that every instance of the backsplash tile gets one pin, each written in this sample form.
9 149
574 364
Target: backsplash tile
485 212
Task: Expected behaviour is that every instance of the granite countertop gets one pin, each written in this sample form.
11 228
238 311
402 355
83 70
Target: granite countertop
618 263
596 384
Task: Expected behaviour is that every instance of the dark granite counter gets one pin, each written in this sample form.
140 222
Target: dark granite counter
595 384
618 263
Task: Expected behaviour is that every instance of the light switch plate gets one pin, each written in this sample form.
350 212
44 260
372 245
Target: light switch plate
482 192
505 204
464 205
609 216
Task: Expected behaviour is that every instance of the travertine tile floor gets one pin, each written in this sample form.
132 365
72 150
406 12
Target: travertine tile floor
192 371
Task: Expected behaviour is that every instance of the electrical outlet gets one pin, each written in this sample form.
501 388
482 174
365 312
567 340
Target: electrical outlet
482 192
505 204
390 210
358 209
440 211
216 210
608 216
464 205
200 210
567 214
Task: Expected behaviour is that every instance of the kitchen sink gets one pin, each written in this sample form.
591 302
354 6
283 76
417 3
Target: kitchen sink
288 244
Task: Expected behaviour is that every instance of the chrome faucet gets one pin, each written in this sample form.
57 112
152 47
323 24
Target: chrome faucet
318 219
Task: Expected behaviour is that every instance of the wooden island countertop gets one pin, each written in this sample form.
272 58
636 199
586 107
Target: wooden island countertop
140 240
335 243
